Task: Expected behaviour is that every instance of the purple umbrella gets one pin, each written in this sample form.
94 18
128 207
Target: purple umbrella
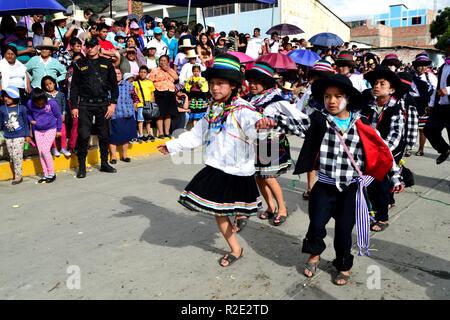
304 57
285 29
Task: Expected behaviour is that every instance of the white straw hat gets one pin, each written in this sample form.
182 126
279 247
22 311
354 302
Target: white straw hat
59 16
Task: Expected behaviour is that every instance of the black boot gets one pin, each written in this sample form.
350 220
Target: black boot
81 169
105 167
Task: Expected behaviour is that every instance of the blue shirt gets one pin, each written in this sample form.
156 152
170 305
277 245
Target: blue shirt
14 122
343 124
172 44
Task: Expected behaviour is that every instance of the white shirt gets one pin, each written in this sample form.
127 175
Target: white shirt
358 82
186 72
254 47
275 46
231 150
151 63
161 47
13 75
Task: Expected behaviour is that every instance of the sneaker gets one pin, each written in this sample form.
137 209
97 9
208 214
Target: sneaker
66 152
55 152
140 139
151 138
51 179
42 180
442 157
145 138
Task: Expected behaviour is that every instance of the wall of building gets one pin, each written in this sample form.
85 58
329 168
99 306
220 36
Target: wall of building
416 36
312 17
375 35
244 21
401 16
407 55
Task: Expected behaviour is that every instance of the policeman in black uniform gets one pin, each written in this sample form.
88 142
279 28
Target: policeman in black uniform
93 96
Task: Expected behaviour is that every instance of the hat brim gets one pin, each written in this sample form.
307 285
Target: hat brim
9 94
343 63
46 47
421 63
267 81
190 47
391 62
230 75
320 73
390 76
319 86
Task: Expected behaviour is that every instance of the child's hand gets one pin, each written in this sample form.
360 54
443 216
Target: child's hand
163 149
58 134
33 122
265 123
28 139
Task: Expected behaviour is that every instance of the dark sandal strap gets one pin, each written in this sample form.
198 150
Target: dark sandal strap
341 276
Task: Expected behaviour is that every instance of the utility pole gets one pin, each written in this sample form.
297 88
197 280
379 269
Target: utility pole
434 9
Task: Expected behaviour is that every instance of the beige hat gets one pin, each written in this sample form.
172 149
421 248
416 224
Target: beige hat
79 16
47 43
109 22
309 45
187 43
287 86
59 16
191 54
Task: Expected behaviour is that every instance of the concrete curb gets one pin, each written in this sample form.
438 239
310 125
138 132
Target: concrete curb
32 166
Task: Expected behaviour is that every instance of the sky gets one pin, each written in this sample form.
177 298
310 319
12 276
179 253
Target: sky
348 9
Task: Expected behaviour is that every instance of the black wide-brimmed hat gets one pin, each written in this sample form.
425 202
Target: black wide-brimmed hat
406 80
337 80
225 67
263 72
383 72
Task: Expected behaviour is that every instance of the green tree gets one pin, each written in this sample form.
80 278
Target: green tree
440 28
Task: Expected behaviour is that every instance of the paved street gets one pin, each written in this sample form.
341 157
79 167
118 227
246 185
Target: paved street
130 239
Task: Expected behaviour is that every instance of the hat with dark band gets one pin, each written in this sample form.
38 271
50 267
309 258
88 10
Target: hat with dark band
422 59
263 72
321 68
406 80
225 67
391 59
337 80
345 58
383 72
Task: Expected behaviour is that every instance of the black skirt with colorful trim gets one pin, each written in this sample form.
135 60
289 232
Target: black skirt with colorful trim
217 193
273 157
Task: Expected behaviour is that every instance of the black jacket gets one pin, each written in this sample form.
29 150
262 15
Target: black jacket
93 79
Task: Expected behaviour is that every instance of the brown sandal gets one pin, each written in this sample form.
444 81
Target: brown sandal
340 277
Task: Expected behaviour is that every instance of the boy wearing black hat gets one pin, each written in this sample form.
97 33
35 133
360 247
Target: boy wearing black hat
341 145
384 107
226 187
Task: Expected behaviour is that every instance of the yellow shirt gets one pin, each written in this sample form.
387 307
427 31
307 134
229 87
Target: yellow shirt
202 84
148 87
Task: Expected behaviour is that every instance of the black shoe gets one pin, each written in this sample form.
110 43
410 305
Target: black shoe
81 174
443 157
113 161
105 167
125 159
151 138
42 180
50 180
167 136
145 138
161 136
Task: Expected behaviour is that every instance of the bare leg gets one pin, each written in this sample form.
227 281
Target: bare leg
275 188
167 121
112 150
159 125
266 193
141 128
422 140
149 128
125 150
226 228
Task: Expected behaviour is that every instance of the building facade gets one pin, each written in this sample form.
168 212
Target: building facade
399 27
310 15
